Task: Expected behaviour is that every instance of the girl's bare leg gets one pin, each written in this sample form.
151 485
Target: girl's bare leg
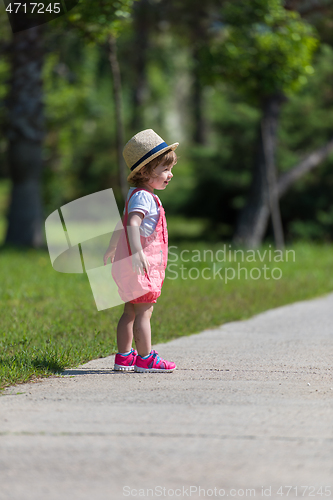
141 328
125 328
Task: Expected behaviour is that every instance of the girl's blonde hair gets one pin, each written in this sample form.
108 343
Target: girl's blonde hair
146 172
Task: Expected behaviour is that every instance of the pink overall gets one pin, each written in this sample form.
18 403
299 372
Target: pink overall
138 288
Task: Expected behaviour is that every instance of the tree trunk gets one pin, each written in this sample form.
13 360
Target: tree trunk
141 10
268 130
198 40
253 219
119 116
25 132
199 136
308 163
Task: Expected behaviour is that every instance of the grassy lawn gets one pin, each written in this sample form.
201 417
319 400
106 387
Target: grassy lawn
49 320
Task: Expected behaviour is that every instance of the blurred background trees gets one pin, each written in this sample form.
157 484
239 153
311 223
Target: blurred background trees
265 51
220 77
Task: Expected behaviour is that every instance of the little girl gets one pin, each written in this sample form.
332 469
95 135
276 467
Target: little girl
145 239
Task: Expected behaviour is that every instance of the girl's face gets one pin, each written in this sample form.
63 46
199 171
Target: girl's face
163 176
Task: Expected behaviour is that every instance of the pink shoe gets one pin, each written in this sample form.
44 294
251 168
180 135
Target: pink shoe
153 364
125 363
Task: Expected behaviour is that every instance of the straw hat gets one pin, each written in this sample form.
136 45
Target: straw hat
144 147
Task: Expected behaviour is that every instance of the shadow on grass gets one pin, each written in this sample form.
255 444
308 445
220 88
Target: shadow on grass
23 362
47 364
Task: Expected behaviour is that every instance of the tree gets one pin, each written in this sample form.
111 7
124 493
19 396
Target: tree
309 7
143 15
25 133
100 22
25 116
192 20
265 51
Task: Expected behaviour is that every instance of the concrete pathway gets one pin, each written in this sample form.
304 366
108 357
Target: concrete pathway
248 413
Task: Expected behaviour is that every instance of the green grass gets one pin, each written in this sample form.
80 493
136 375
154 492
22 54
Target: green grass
49 320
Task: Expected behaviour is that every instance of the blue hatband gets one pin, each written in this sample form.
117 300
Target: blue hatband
149 154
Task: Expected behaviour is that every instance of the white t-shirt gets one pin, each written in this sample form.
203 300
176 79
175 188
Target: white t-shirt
144 202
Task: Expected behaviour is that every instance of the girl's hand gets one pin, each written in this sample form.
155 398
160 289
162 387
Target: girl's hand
110 253
140 263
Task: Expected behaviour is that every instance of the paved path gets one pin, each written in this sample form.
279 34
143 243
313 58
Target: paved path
250 407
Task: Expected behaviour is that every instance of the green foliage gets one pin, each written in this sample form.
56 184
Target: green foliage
96 20
306 124
210 183
218 174
5 28
5 34
262 48
79 115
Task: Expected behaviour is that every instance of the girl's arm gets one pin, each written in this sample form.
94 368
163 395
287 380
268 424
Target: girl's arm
110 253
139 260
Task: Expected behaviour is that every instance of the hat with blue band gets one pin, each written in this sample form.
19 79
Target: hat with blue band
144 147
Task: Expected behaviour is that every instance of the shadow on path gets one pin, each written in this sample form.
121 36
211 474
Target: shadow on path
94 372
